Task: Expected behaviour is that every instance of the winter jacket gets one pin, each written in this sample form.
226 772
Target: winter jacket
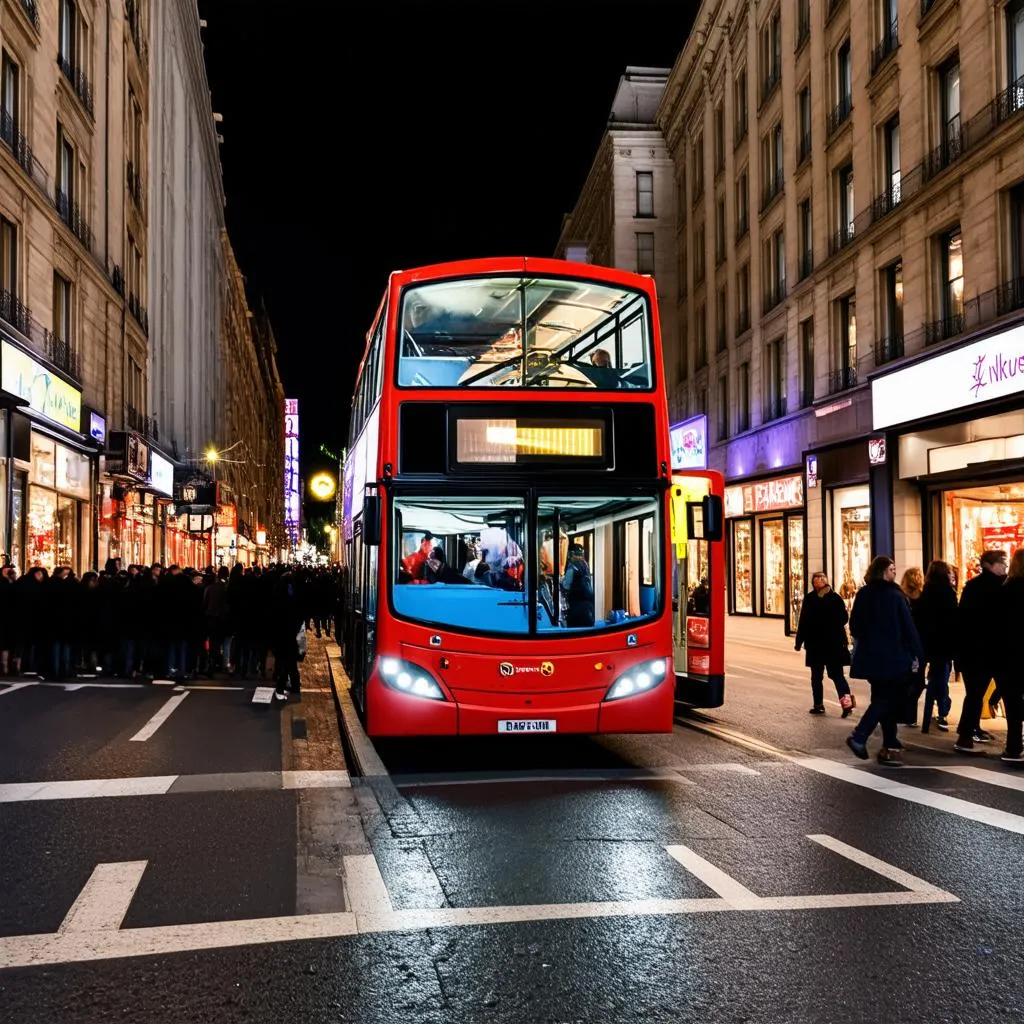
936 621
977 650
885 641
821 630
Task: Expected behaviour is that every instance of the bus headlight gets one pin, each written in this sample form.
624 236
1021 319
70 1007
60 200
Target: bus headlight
408 678
639 679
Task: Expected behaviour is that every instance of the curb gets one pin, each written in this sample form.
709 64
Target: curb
365 759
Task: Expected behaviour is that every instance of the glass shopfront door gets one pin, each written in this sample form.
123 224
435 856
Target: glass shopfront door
773 567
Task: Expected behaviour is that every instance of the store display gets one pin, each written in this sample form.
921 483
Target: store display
980 519
856 551
797 581
773 554
743 563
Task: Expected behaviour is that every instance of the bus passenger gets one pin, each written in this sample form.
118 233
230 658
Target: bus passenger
600 357
437 570
414 563
578 588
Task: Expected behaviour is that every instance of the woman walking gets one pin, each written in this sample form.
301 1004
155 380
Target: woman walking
912 584
886 648
936 621
822 634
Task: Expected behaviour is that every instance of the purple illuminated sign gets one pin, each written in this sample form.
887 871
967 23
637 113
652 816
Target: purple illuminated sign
292 490
688 443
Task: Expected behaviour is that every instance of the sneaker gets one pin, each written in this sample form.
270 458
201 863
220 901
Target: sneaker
980 736
890 758
853 701
1011 758
818 709
860 749
941 723
908 725
846 703
280 695
966 747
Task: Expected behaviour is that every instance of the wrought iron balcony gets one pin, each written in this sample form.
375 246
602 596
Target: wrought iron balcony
72 215
842 238
888 349
15 312
886 46
772 187
946 152
840 113
138 311
15 141
134 182
79 82
773 295
806 266
31 12
1010 101
886 202
842 380
770 82
774 408
1010 296
141 424
940 330
803 150
62 355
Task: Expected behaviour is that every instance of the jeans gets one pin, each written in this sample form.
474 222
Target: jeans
60 660
937 693
126 659
835 673
177 657
887 697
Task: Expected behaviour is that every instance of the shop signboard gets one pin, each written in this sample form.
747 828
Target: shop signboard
812 470
97 428
688 443
1003 538
776 495
46 394
161 474
292 487
227 517
958 379
876 451
137 457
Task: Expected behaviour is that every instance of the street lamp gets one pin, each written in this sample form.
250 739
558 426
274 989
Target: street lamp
211 456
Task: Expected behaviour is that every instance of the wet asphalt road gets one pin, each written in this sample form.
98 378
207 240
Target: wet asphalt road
527 822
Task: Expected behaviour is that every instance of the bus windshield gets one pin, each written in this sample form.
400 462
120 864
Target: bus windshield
513 331
467 562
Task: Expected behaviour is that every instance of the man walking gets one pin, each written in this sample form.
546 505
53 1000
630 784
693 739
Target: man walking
822 633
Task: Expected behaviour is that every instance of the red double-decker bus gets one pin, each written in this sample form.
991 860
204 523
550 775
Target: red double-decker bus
514 564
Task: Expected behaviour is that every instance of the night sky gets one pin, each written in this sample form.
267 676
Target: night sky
364 138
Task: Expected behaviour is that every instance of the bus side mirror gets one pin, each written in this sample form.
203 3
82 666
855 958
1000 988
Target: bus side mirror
714 519
371 519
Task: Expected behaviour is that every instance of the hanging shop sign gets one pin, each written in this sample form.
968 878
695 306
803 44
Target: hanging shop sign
97 428
812 471
966 376
161 474
688 443
876 451
46 394
127 455
776 495
194 491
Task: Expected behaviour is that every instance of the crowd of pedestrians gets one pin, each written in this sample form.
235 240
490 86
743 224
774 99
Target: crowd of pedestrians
161 622
909 638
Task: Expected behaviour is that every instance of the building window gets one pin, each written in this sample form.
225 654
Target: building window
720 232
10 100
845 207
743 299
844 88
702 338
63 310
953 280
723 407
803 111
950 142
803 22
65 171
644 193
67 30
684 352
774 270
806 238
771 161
775 379
698 166
682 270
719 139
742 205
720 328
771 55
743 397
136 387
845 375
698 255
11 309
891 345
645 252
890 197
806 362
1011 293
888 37
1015 55
740 106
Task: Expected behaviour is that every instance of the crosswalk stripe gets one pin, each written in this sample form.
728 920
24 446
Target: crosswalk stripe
984 775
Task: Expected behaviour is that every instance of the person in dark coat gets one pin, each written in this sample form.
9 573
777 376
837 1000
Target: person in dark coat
935 618
821 632
1010 671
912 584
977 657
289 617
886 648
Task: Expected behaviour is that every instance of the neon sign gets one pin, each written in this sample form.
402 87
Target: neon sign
292 490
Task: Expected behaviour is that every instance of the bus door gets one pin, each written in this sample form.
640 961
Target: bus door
698 589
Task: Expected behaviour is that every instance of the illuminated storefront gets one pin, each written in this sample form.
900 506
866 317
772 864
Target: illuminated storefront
766 547
955 427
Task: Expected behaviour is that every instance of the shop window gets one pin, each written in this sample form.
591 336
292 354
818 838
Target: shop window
797 578
978 519
644 194
743 566
645 252
773 558
850 540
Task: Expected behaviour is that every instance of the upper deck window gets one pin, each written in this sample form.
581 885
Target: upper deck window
524 332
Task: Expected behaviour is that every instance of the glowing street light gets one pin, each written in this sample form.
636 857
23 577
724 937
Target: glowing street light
323 486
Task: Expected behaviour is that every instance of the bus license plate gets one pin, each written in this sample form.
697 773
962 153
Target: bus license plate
527 725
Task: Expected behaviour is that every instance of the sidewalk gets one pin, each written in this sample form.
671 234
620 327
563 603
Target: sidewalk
768 693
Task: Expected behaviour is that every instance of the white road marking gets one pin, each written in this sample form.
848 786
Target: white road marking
11 687
365 891
985 775
158 719
641 775
736 895
890 787
104 901
78 789
95 937
328 779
